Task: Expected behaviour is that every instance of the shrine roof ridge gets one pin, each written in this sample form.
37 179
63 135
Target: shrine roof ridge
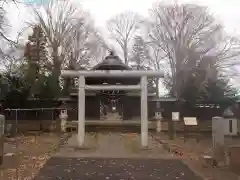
111 61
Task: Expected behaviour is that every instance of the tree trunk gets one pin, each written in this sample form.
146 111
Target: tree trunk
125 53
157 86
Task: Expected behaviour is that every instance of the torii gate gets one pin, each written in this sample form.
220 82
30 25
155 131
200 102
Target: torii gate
112 73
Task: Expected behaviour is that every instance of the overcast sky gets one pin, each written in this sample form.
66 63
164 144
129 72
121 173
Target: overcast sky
101 10
228 12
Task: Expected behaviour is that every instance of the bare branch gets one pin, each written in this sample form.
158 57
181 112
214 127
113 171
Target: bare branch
58 20
122 28
186 35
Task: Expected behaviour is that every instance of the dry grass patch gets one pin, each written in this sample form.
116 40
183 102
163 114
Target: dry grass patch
31 154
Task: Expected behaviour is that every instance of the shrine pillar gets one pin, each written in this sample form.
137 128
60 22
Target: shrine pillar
144 112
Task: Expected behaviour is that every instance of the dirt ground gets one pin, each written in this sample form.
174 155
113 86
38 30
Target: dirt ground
115 156
33 151
26 155
192 152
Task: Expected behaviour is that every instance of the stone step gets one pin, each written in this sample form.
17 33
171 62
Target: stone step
112 117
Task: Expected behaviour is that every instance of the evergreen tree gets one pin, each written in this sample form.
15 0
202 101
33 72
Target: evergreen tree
35 59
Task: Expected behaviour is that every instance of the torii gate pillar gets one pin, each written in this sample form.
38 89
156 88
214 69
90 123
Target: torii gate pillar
81 111
144 112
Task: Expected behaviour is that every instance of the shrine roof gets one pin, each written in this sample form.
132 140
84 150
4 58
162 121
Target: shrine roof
111 62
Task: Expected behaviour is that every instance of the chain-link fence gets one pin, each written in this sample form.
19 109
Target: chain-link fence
36 119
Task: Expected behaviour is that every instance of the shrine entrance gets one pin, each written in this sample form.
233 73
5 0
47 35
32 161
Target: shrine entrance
110 80
111 107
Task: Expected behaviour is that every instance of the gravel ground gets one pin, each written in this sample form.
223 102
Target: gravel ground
115 168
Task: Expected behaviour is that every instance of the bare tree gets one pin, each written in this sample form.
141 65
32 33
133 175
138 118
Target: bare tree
99 48
76 47
58 20
72 39
12 59
85 45
140 54
122 29
185 35
6 41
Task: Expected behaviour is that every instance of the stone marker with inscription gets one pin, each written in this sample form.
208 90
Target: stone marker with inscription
175 116
158 117
191 128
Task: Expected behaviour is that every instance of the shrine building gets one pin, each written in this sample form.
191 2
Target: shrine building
111 105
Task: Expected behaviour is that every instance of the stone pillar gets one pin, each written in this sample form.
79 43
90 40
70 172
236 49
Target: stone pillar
81 111
159 126
63 117
144 112
218 139
218 131
158 117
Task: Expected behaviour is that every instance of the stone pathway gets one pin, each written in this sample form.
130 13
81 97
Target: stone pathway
113 145
115 169
114 156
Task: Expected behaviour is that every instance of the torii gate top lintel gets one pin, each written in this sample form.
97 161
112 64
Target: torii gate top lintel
112 73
